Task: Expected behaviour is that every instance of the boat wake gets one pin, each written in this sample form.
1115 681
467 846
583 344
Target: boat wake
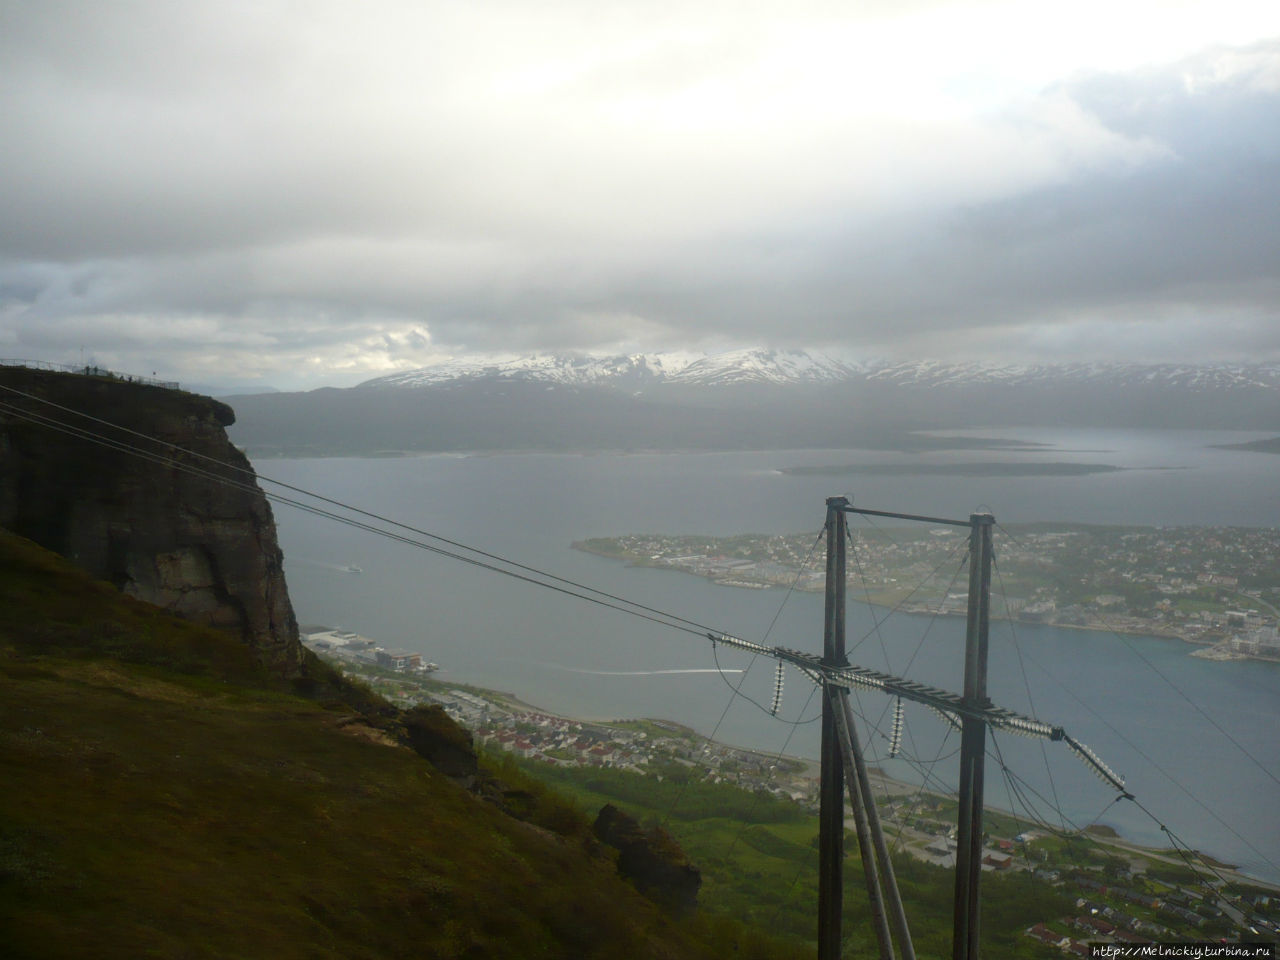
340 568
638 673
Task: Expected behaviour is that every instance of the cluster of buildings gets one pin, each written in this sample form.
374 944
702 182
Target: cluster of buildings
1177 907
1260 642
942 852
558 740
1101 922
997 852
1190 582
735 571
345 645
1206 585
1094 930
535 735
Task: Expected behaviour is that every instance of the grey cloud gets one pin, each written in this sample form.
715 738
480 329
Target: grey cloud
1197 230
199 182
1201 227
157 128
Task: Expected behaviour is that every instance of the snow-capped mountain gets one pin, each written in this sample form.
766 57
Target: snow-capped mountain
782 367
1193 377
765 366
632 370
748 399
540 368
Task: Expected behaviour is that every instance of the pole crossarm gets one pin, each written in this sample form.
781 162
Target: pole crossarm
849 508
847 678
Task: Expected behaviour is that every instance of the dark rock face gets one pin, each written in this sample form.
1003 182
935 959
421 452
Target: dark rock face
443 743
201 544
651 859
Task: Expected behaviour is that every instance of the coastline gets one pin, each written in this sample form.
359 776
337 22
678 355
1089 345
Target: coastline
800 768
1119 626
1101 834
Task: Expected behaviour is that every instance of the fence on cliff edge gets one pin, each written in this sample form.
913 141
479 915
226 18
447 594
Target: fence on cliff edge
90 370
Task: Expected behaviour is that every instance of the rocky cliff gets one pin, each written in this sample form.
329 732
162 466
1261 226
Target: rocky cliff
192 535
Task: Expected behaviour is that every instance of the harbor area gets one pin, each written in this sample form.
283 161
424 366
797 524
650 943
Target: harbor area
347 646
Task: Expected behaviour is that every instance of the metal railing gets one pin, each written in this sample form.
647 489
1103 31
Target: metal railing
90 370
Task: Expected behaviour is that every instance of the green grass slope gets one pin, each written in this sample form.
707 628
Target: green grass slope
759 860
164 797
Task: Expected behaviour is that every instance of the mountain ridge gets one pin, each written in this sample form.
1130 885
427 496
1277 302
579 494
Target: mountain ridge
738 366
787 367
743 400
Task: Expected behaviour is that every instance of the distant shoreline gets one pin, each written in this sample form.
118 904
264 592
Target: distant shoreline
1117 624
1269 445
1101 833
996 469
908 441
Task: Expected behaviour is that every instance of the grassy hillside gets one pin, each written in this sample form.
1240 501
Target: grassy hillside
759 863
167 798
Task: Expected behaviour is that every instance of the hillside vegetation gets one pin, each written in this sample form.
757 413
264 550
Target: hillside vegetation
166 797
759 861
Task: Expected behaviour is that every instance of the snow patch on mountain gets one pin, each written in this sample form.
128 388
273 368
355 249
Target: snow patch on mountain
1201 377
544 368
765 366
632 370
784 367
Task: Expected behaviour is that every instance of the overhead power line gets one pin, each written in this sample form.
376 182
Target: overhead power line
219 471
479 558
320 498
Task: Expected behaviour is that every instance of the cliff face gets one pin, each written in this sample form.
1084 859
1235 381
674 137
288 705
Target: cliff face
199 547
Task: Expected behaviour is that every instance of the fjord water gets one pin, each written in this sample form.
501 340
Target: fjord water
1197 741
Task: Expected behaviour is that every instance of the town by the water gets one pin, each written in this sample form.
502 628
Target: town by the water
1123 893
1215 587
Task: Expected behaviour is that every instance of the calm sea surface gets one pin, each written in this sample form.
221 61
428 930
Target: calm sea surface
1198 742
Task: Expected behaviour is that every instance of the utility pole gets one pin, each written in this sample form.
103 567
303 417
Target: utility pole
883 898
973 742
831 785
882 884
842 755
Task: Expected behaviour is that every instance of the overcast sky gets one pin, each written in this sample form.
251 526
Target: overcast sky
307 193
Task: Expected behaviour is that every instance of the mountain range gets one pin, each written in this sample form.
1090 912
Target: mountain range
796 367
745 399
625 370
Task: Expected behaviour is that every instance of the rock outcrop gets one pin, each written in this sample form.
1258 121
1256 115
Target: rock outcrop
184 526
650 858
438 739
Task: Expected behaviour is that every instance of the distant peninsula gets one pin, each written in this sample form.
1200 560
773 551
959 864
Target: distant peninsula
1215 587
1271 445
956 469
